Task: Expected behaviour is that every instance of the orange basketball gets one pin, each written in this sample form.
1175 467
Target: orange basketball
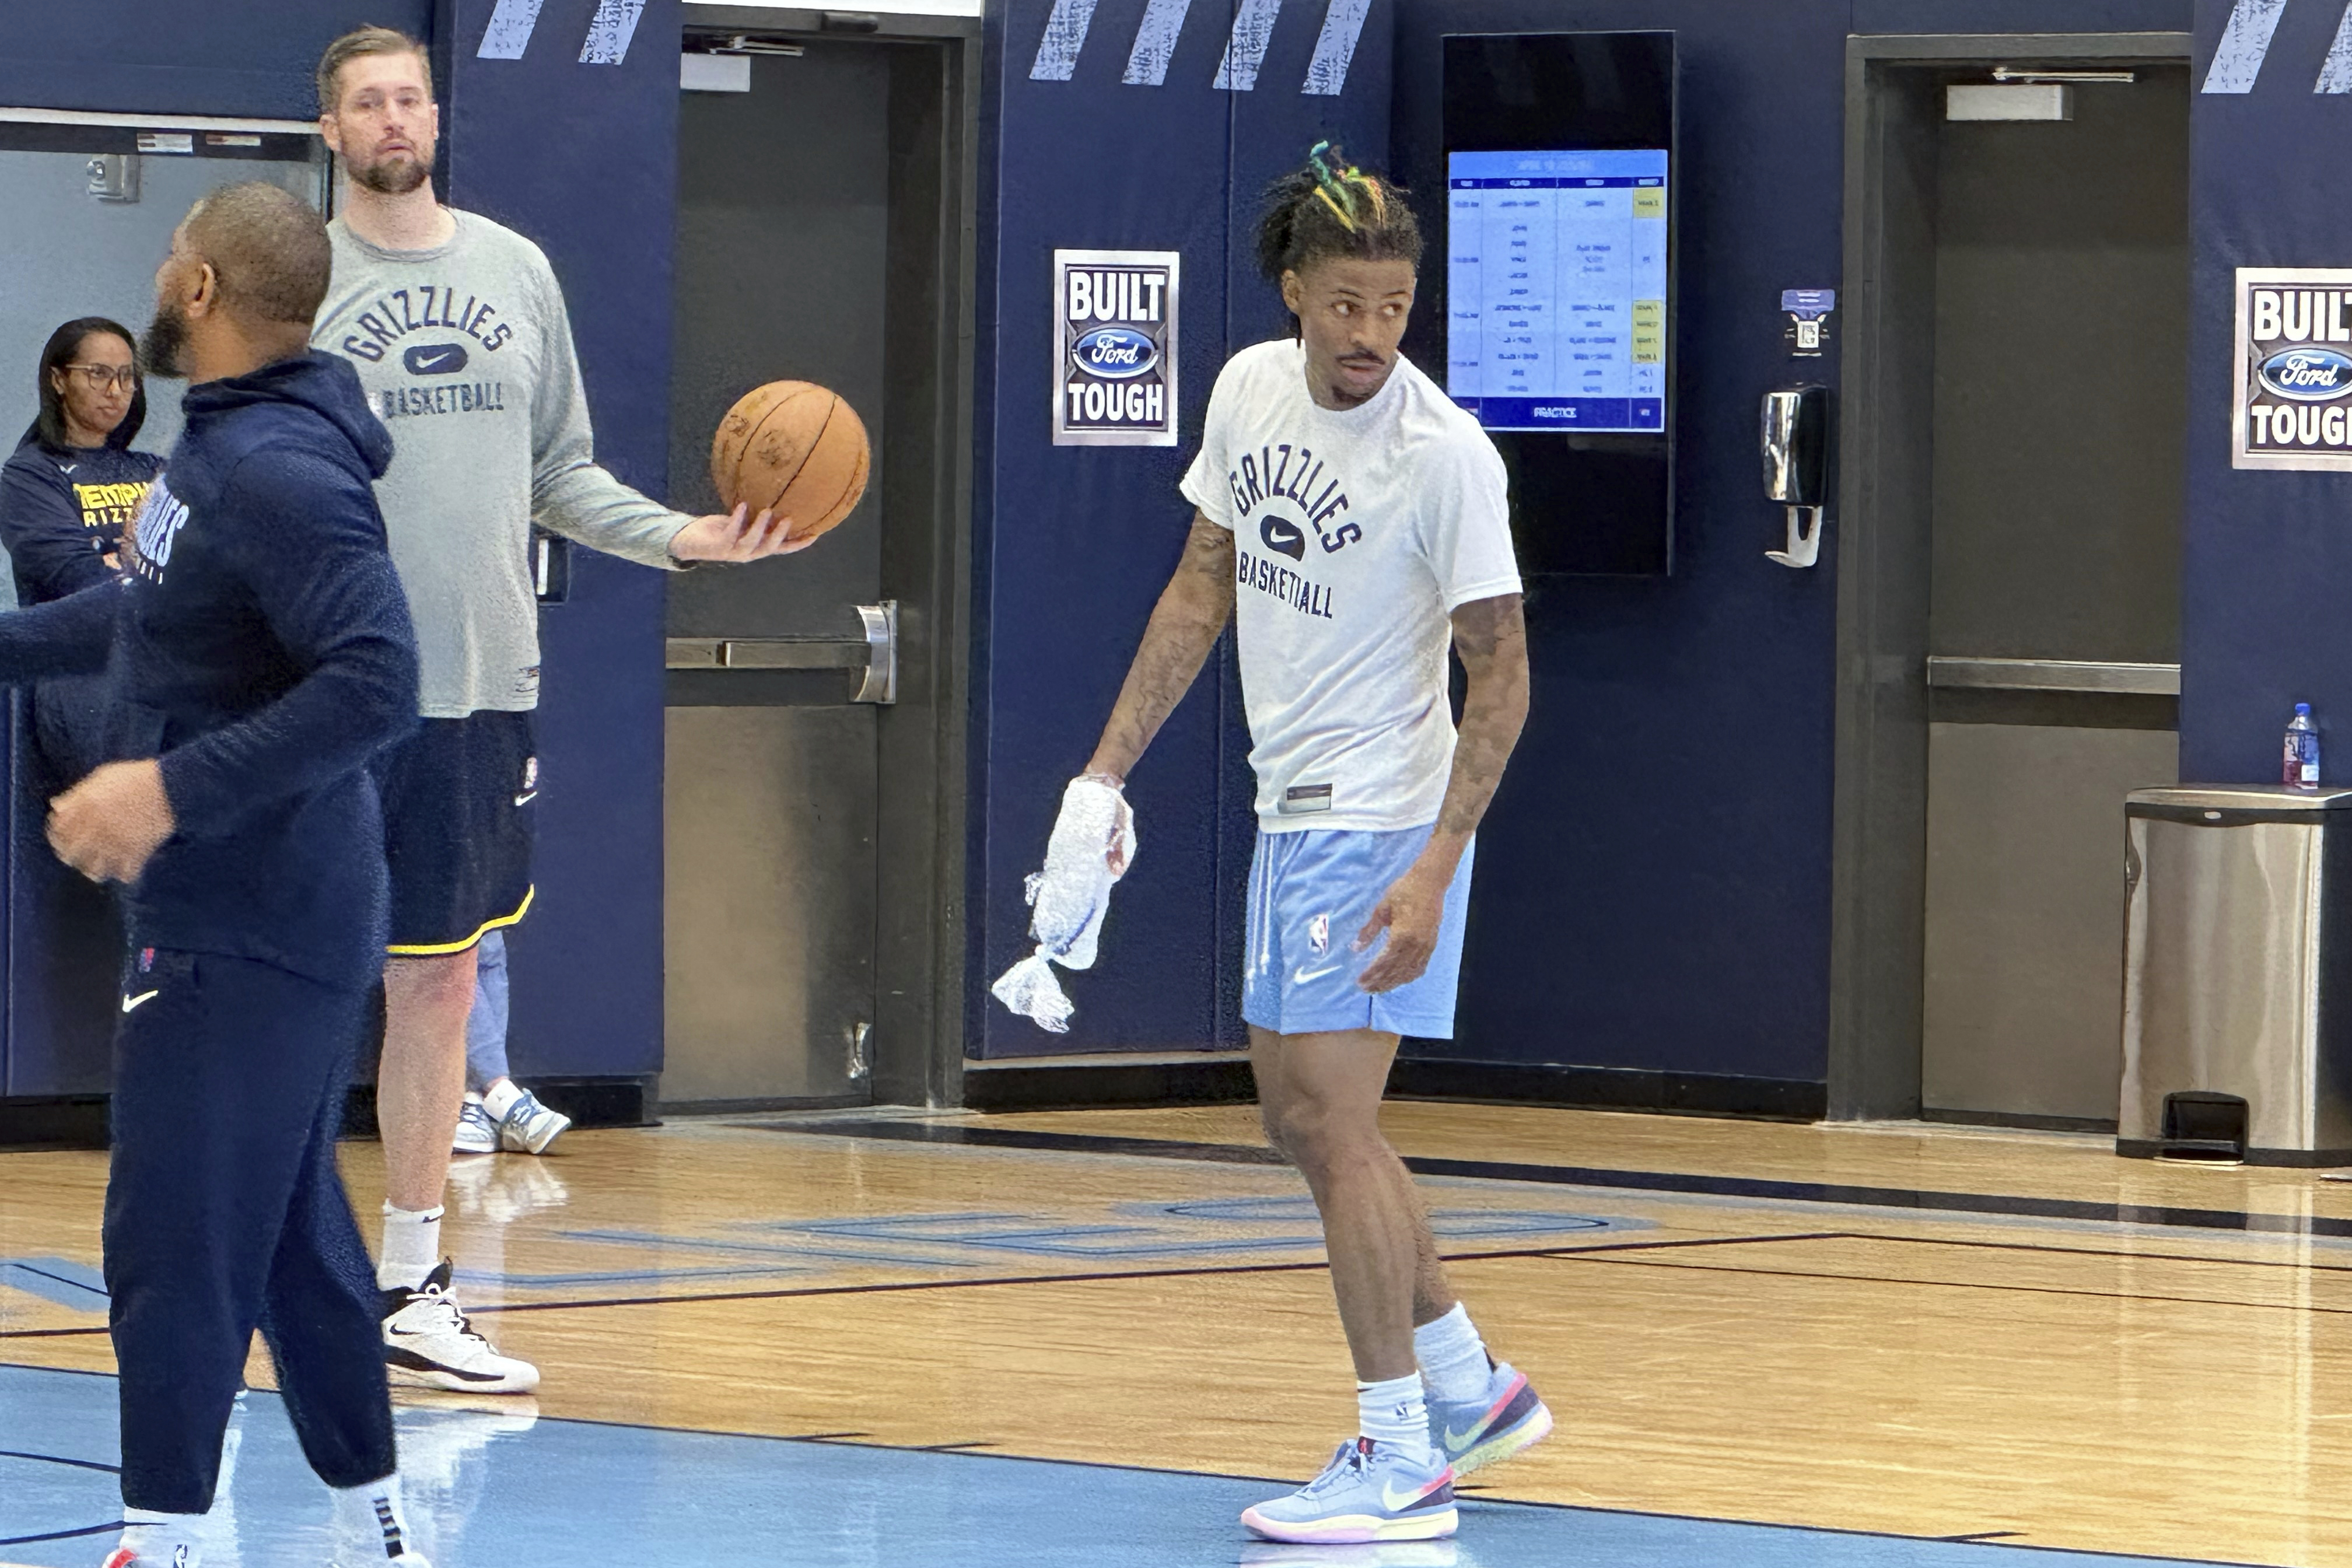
795 449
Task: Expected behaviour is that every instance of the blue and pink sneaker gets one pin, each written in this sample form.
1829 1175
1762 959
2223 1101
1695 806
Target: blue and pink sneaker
1509 1419
1369 1492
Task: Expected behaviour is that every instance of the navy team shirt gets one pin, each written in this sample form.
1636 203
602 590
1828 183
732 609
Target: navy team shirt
62 512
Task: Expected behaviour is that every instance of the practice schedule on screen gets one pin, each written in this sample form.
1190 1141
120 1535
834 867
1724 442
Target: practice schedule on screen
1556 290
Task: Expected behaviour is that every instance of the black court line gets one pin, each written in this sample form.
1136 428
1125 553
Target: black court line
61 1534
1968 1284
61 1459
60 1279
2124 1254
1592 1176
897 1287
1289 1481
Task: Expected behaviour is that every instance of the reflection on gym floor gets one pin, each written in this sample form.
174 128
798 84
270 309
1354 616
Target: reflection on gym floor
1091 1338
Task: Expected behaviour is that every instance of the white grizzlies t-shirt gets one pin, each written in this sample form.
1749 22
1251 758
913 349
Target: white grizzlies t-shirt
1357 532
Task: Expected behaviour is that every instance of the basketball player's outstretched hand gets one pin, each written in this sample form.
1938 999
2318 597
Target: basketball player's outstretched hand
1409 913
735 537
109 825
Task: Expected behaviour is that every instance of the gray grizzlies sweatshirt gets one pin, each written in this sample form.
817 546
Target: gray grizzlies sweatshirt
465 354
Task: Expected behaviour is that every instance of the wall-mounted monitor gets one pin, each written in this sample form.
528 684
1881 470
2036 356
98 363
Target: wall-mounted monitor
1555 318
1556 288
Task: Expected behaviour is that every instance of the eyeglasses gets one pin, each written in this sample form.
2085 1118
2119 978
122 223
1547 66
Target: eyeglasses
101 376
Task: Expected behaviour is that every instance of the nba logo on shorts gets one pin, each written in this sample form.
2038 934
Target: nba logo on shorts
1319 934
1115 347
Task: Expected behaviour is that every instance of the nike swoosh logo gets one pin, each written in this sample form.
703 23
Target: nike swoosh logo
430 362
1396 1501
527 798
1457 1440
68 467
1302 976
131 1003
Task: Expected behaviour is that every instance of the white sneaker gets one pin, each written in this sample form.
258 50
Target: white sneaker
477 1133
1369 1492
428 1342
529 1127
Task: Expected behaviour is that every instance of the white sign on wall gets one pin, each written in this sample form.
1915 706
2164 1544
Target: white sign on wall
1115 347
2292 402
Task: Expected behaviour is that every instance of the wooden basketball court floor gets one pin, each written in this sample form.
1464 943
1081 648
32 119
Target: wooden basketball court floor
1089 1338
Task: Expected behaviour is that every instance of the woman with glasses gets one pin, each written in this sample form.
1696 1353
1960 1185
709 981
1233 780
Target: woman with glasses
74 483
68 494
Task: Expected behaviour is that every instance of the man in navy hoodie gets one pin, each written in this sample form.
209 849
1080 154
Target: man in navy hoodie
262 657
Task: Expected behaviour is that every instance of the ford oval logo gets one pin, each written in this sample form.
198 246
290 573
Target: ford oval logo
2308 374
1121 351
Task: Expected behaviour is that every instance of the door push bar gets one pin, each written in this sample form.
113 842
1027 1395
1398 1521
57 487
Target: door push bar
2053 674
875 653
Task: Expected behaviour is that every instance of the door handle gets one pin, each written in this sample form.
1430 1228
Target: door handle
875 651
881 683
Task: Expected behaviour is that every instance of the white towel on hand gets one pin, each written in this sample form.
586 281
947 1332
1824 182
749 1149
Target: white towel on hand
1068 900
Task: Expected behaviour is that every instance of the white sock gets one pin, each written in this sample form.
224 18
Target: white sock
1452 1357
412 1248
1394 1412
501 1096
369 1525
165 1539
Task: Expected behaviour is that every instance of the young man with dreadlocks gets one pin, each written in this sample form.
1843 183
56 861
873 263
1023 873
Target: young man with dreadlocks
1358 522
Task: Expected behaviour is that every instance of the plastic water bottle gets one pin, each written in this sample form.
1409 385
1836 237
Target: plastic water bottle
2302 761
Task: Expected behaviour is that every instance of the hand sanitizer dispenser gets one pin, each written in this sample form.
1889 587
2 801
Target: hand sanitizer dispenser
1796 442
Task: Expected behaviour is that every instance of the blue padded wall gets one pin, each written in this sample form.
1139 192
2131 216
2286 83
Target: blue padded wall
2268 555
1652 883
583 159
1075 543
242 57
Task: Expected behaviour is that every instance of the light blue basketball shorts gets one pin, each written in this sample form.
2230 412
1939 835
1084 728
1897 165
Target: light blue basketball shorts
1310 892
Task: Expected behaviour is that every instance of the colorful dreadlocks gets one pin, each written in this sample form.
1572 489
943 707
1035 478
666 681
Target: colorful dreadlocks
1330 209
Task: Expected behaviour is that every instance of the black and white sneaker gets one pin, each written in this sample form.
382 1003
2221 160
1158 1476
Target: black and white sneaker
429 1343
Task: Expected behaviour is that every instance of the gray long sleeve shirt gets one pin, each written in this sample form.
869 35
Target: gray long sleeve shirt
466 352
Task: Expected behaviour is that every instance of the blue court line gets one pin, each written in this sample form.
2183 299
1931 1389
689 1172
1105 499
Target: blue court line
933 1240
496 1487
57 1281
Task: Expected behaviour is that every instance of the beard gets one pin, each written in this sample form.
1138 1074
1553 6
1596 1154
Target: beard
165 339
393 176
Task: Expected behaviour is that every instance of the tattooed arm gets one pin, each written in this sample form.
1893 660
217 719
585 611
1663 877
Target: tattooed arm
1490 638
1191 615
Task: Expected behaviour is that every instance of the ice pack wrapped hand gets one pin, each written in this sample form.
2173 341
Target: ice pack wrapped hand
1069 897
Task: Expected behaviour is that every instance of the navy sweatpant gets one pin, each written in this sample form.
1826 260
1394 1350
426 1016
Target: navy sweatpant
225 1213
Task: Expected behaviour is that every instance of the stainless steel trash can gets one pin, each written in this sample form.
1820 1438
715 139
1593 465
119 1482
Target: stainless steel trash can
2238 974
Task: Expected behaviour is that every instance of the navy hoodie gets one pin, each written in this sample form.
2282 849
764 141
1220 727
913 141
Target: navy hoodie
262 650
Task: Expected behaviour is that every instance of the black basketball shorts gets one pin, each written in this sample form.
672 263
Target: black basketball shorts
458 822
